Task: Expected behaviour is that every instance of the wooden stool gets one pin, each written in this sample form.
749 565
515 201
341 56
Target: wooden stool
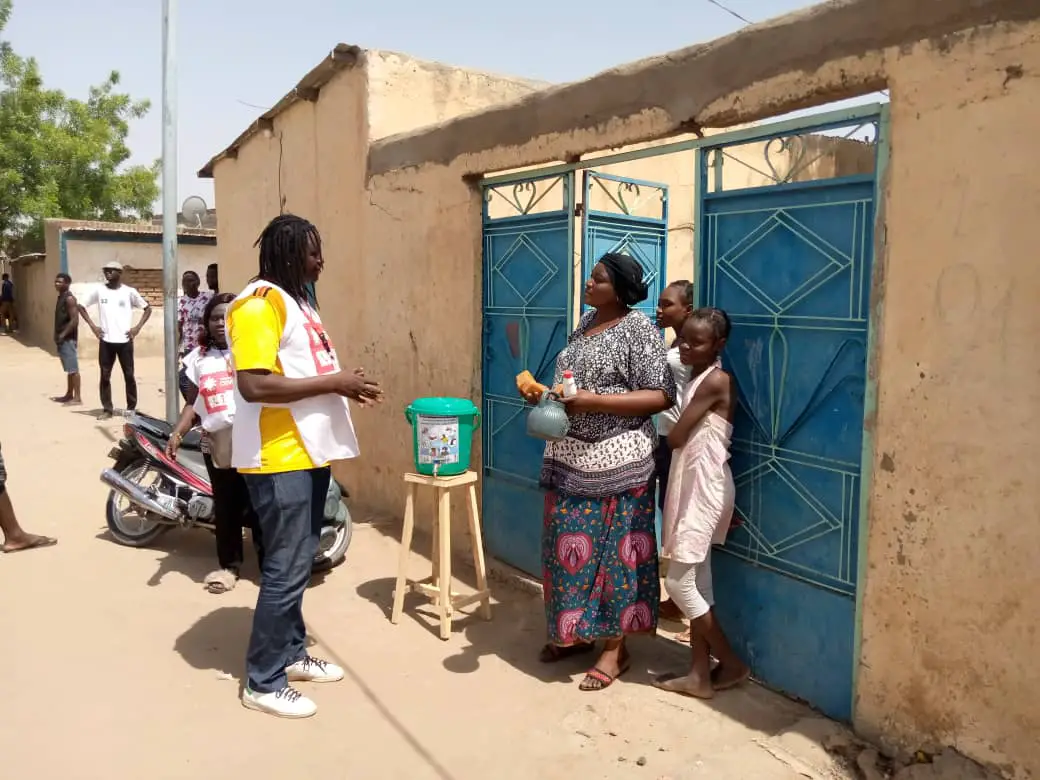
438 586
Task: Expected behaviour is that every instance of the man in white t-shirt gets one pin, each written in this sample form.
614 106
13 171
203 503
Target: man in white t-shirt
115 332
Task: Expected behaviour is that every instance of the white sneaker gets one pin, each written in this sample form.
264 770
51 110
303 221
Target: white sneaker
286 703
314 670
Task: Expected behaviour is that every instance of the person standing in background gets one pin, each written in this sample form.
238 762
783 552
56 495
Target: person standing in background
116 332
8 313
673 307
191 308
212 279
66 339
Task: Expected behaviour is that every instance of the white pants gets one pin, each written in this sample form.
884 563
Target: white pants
689 586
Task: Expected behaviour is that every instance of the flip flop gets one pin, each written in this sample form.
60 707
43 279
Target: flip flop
601 679
220 581
36 544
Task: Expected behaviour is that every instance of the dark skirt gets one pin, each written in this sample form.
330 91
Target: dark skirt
600 573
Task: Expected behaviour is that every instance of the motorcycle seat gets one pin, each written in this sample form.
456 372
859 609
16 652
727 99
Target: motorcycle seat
159 428
192 440
193 462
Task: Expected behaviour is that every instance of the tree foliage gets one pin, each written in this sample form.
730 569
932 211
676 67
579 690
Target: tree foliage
64 157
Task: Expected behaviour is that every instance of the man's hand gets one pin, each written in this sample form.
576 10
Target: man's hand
172 445
132 333
356 387
96 331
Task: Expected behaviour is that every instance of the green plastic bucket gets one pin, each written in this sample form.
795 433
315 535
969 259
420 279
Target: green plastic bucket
442 432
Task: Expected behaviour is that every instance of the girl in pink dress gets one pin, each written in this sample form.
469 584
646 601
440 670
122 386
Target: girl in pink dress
699 504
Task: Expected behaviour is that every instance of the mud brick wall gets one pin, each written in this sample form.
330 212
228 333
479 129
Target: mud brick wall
147 281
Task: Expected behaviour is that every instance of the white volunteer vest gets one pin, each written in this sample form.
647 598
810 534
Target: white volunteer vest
211 372
305 351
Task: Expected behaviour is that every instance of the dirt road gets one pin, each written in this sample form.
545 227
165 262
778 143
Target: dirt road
117 664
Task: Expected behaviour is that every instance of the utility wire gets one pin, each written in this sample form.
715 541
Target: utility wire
747 21
730 11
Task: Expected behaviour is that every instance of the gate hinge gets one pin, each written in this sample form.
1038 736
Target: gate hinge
579 209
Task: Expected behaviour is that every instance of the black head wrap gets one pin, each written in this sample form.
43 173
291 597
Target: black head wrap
626 275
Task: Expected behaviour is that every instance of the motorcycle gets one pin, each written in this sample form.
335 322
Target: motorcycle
167 493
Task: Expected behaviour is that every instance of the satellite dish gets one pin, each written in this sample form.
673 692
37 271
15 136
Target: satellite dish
194 209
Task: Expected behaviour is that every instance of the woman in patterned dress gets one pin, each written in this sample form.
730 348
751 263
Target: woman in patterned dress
599 545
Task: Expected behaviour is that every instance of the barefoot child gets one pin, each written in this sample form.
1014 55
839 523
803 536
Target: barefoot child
673 307
699 504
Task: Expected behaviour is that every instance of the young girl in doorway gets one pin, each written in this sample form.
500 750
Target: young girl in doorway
210 398
699 504
673 307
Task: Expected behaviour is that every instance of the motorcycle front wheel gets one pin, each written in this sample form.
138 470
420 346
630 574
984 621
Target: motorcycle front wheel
128 525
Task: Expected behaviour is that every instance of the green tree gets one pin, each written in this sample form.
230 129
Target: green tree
63 157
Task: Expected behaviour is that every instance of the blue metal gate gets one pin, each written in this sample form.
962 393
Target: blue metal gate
528 246
613 220
789 260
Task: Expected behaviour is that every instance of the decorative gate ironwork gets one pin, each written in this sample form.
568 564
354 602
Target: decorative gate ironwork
788 256
629 216
528 245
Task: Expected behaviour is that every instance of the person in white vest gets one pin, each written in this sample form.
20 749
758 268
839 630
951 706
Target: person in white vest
210 392
291 420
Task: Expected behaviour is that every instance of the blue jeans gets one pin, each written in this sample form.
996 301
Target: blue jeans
290 508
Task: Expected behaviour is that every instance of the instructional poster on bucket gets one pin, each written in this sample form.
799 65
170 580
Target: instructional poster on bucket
438 440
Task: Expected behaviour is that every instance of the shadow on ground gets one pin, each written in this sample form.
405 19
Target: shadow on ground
218 641
190 553
516 634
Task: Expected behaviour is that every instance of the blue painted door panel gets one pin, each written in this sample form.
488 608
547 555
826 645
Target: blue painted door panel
791 266
526 305
645 238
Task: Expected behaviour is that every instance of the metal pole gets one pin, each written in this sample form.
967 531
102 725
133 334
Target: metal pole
169 206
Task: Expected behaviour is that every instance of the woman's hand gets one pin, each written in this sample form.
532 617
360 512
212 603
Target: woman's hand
533 394
581 403
172 445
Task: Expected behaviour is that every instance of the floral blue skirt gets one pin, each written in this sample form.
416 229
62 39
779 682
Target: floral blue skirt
599 566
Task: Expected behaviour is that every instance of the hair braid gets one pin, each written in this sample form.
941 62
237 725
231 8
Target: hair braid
717 318
284 245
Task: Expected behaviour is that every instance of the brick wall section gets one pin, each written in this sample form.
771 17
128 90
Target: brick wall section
147 281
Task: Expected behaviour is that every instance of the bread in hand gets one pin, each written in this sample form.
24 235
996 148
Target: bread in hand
528 386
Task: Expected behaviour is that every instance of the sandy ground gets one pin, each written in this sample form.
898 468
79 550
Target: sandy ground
119 665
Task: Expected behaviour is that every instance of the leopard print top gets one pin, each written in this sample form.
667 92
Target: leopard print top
604 454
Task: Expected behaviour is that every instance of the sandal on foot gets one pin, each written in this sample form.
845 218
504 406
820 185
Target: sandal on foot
220 581
551 653
37 543
597 680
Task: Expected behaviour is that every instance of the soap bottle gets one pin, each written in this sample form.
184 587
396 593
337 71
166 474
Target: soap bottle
570 387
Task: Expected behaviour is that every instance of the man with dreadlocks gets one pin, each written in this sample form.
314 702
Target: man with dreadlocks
292 419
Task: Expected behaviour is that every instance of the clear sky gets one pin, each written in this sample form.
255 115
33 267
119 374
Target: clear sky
238 57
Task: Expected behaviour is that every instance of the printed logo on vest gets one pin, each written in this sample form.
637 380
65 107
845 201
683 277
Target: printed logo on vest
216 390
321 350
